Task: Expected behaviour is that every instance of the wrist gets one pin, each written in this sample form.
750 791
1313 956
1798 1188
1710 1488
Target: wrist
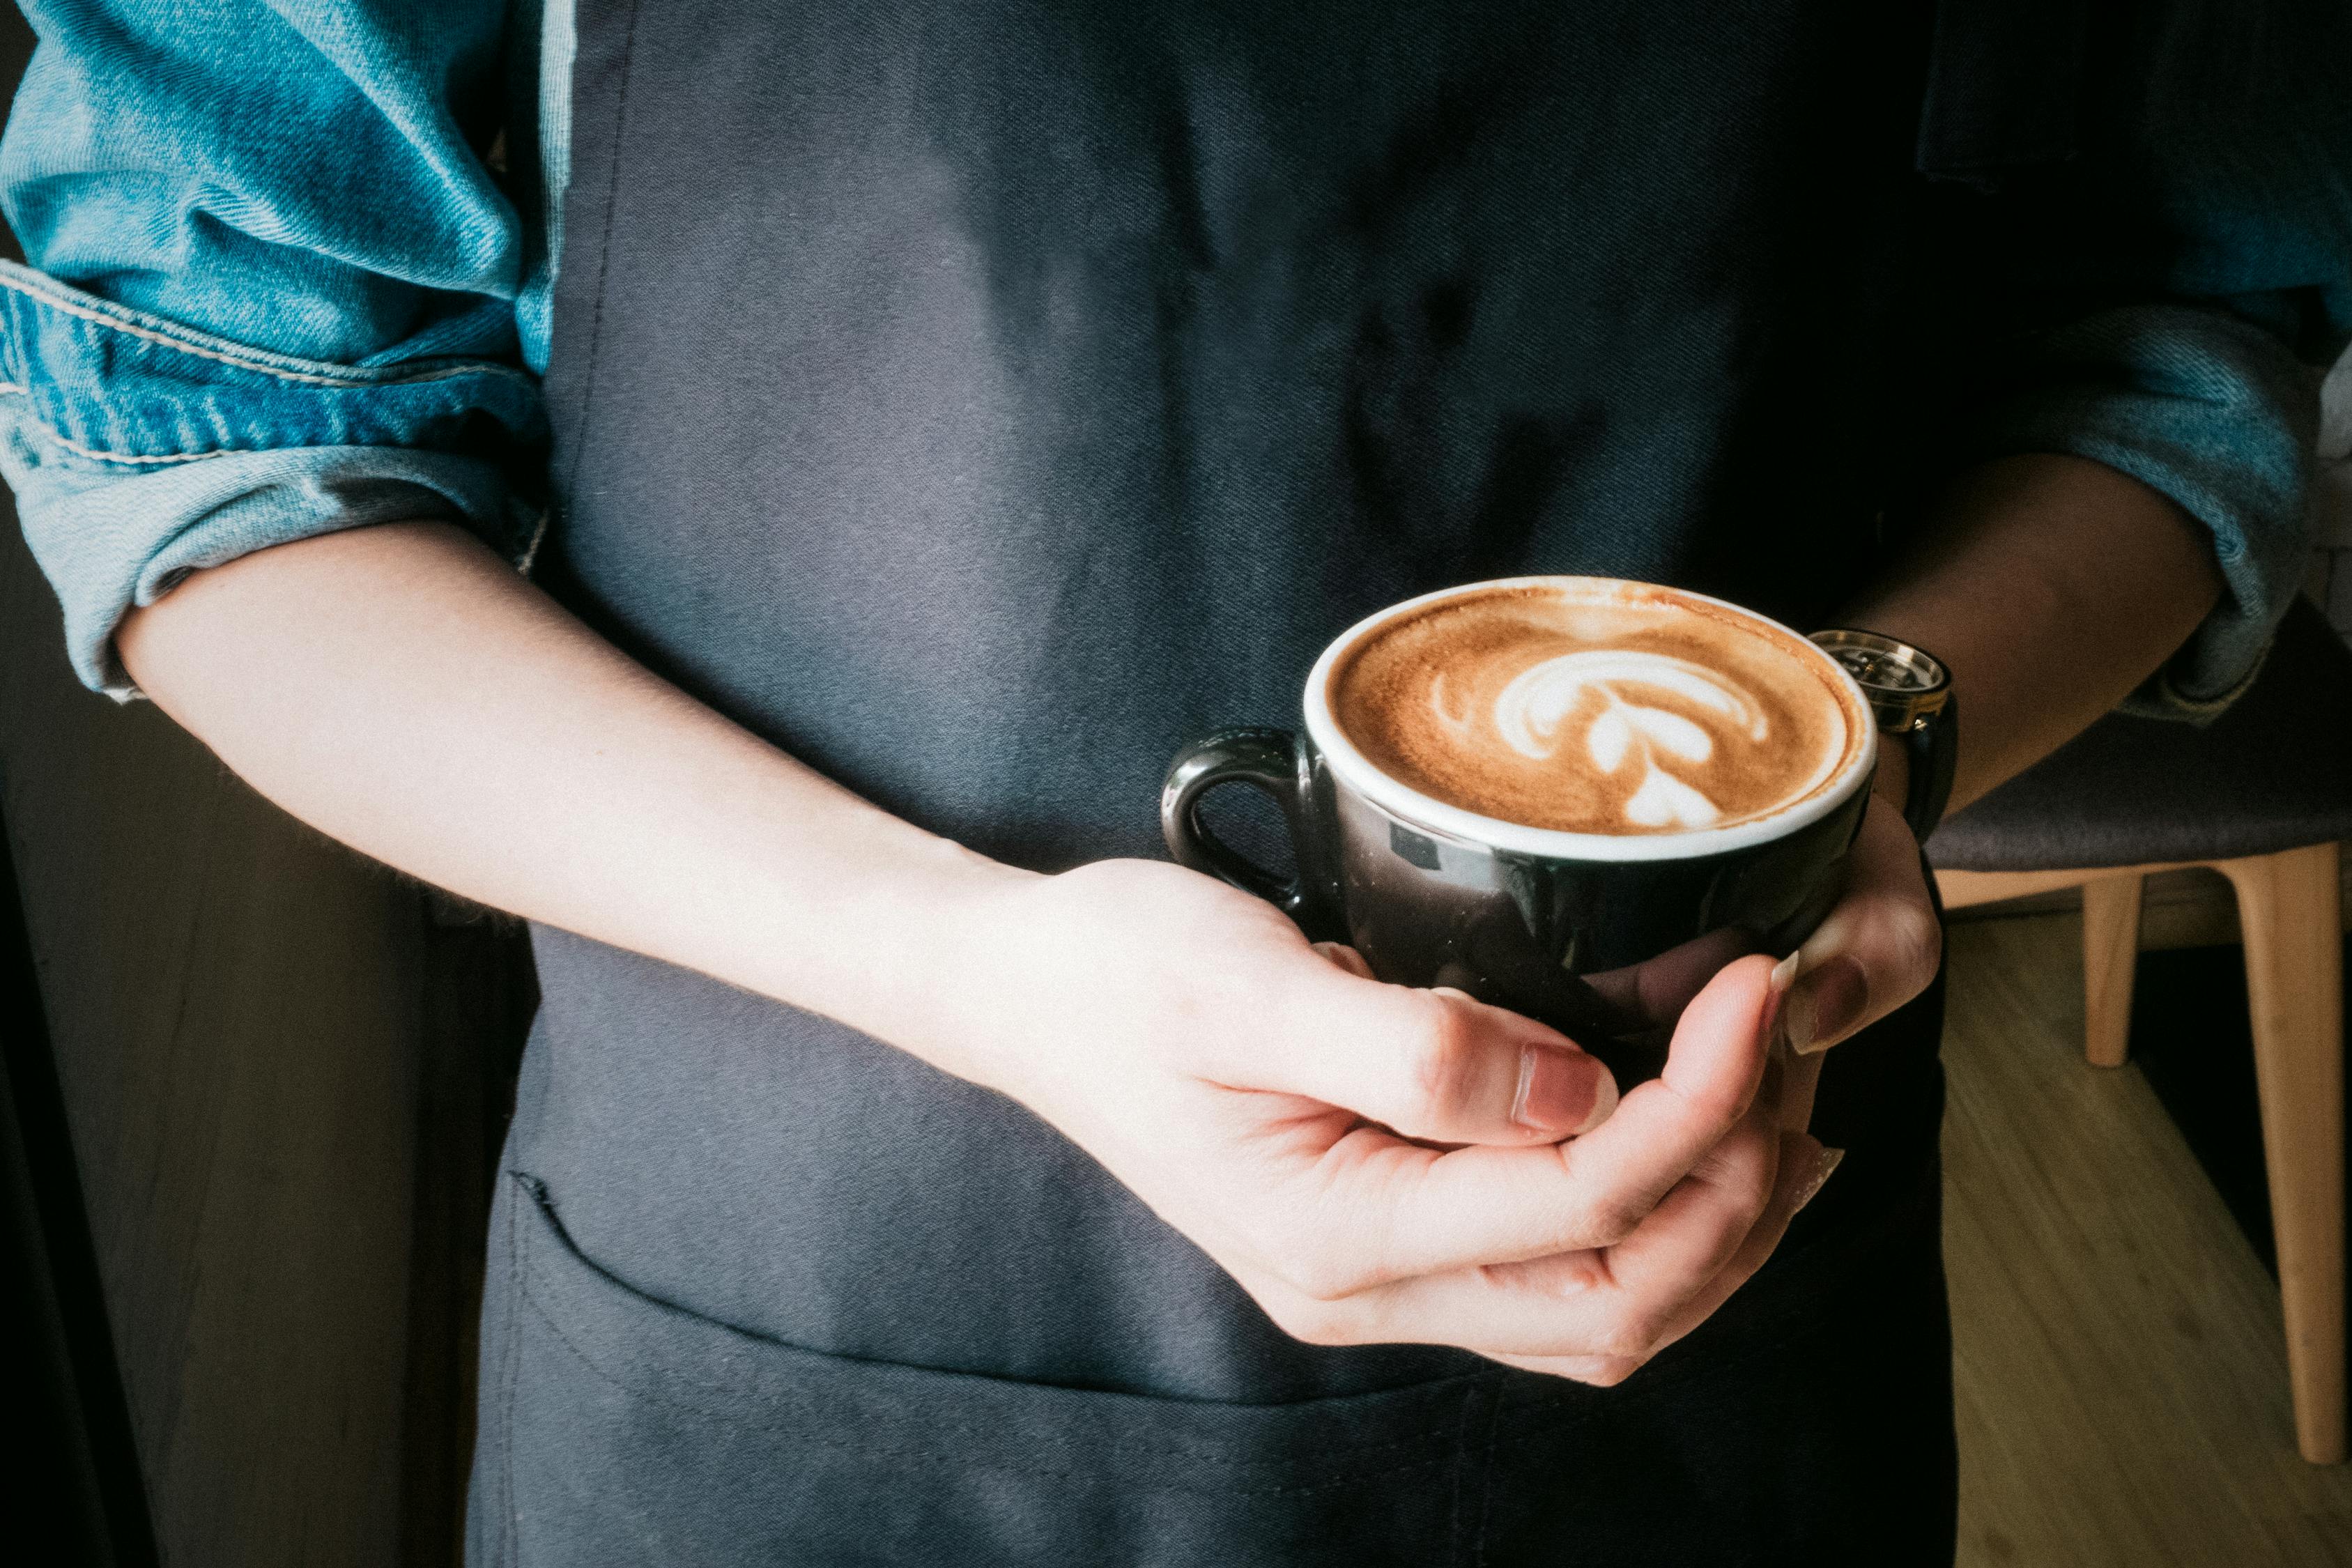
950 998
884 945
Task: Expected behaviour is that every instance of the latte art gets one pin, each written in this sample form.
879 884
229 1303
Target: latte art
1605 686
1616 714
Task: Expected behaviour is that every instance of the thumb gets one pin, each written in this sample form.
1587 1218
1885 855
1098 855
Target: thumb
1435 1065
1878 948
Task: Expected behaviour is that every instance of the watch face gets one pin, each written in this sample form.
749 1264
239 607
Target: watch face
1885 670
1905 684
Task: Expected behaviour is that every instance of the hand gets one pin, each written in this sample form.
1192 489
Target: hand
1375 1163
1878 948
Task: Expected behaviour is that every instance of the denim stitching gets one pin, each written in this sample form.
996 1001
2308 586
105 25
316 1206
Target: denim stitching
530 556
354 378
53 434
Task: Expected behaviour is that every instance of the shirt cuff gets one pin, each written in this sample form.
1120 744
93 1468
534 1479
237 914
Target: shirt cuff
2211 412
141 451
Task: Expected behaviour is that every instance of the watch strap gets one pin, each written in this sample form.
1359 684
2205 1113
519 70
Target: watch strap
1932 741
1909 691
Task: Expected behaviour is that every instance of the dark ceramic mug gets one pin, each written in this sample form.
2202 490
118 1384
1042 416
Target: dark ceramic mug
1605 937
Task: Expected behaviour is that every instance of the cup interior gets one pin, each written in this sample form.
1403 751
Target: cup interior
1821 794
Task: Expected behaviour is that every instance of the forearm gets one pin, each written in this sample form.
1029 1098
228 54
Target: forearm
401 689
2052 586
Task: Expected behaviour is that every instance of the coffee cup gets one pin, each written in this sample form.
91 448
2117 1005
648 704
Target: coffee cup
1575 797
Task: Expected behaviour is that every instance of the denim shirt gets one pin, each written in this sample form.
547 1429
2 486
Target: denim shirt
277 286
290 265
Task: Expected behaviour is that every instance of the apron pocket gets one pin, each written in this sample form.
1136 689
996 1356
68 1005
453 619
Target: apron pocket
619 1428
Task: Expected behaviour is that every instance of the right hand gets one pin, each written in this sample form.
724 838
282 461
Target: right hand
1376 1163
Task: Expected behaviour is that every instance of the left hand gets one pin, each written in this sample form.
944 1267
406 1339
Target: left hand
1878 948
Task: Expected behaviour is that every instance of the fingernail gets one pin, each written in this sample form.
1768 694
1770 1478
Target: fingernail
1559 1096
1825 1164
1784 973
1826 1005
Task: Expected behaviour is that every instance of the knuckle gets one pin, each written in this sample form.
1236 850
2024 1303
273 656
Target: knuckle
1915 941
1717 1103
1610 1220
1610 1372
1563 1275
1740 1182
1316 1275
1632 1338
1437 1056
1750 1205
1312 1322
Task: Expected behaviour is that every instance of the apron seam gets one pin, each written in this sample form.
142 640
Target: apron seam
605 251
642 1301
511 1519
1486 1471
901 1451
1469 1415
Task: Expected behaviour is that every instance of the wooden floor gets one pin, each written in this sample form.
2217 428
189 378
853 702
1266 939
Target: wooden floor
2122 1381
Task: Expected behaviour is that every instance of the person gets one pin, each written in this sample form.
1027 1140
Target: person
912 421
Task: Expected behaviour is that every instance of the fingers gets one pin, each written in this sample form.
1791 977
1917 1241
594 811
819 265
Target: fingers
1657 990
1579 1258
1804 1167
1879 947
1613 1306
1431 1065
1426 1211
1802 1077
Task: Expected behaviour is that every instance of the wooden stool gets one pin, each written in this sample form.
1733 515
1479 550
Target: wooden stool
2264 796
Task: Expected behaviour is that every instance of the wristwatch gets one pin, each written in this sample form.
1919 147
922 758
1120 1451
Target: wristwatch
1910 692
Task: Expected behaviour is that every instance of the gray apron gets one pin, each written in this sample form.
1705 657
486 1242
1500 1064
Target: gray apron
979 398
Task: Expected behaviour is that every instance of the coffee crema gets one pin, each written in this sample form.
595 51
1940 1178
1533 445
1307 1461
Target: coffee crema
1602 708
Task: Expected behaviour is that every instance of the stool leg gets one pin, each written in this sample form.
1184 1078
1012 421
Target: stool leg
2110 954
2289 905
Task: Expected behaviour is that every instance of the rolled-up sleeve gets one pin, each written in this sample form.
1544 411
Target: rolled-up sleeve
2183 279
272 291
2216 415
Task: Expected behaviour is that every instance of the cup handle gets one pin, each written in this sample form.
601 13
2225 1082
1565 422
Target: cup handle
1271 761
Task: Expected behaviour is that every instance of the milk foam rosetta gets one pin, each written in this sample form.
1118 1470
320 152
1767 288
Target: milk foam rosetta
1630 711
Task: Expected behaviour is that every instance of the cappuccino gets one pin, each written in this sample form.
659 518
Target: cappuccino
1587 706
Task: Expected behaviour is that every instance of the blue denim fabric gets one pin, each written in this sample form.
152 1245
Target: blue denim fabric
2172 270
286 293
305 176
2216 415
140 450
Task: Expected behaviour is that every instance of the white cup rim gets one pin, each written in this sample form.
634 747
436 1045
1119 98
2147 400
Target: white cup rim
1421 811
